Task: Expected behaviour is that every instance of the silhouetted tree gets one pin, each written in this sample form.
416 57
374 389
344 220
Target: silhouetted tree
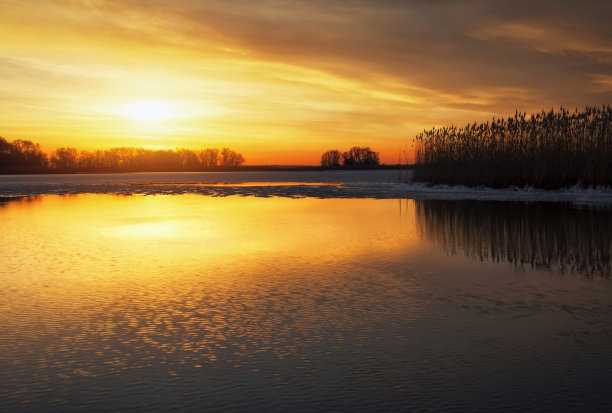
21 155
26 154
87 161
358 156
64 159
230 158
209 158
5 152
189 159
330 159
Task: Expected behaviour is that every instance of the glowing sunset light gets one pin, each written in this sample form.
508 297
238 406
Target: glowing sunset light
283 81
148 111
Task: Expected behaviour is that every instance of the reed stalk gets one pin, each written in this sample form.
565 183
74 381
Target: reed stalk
549 150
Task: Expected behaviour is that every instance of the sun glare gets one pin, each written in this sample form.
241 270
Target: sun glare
148 111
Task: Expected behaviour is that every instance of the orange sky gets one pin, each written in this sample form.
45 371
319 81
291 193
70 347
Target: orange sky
283 81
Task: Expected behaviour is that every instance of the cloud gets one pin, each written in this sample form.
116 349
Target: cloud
441 46
547 48
603 82
336 68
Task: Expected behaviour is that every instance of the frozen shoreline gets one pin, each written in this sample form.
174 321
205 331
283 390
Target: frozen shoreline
351 184
297 190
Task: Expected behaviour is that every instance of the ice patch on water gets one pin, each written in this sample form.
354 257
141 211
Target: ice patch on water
317 184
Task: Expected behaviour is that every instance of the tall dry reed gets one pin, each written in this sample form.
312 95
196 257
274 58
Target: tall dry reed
547 150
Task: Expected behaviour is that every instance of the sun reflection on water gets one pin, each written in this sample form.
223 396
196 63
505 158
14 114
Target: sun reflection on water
200 301
194 277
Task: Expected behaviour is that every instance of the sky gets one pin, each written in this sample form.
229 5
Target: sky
283 81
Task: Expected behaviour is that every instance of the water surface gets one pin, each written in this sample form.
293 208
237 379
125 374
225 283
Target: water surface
378 184
188 302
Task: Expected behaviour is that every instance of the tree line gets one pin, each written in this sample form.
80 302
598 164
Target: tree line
26 156
357 156
547 150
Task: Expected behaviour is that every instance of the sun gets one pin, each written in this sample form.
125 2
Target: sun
148 111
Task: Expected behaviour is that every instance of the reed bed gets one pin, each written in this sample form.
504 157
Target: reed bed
549 150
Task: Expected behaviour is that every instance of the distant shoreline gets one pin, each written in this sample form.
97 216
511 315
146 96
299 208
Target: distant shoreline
244 168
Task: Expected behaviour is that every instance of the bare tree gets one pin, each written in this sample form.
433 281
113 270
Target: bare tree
358 156
330 159
65 159
230 158
209 158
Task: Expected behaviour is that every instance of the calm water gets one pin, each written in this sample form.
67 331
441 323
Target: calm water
192 303
320 184
75 183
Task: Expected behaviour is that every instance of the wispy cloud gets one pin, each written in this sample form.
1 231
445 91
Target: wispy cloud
291 73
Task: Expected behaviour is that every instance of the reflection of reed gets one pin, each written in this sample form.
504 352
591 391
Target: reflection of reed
548 236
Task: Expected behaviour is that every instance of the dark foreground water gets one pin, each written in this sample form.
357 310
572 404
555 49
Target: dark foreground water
195 303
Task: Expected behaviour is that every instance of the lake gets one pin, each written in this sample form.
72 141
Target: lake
191 302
